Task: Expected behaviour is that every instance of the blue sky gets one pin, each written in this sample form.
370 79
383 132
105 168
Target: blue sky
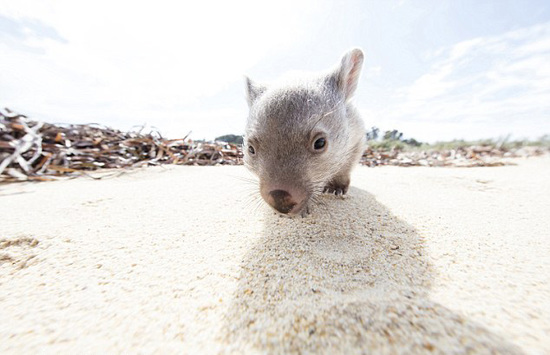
436 70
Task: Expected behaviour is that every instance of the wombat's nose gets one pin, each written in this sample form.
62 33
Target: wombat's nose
281 201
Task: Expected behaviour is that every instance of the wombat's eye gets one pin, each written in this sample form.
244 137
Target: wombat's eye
251 150
320 144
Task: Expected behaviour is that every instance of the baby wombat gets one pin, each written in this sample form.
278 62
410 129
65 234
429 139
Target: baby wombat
303 136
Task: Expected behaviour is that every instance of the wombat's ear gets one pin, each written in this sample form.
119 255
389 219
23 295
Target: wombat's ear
347 74
253 91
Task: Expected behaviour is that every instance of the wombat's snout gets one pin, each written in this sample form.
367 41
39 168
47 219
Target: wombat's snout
281 201
284 201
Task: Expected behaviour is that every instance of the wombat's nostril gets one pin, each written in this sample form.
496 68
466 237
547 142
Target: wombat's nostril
282 201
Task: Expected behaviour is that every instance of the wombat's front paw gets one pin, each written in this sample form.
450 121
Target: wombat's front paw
335 188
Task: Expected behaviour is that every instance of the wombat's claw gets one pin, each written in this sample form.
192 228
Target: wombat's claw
305 212
337 190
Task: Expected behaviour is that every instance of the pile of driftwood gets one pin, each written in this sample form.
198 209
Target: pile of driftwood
464 156
31 150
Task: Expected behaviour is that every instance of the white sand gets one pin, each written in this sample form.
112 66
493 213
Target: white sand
186 260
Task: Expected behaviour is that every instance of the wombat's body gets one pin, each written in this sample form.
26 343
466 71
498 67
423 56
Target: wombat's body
304 137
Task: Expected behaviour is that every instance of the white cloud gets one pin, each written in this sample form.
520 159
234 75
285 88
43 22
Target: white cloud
373 72
120 57
484 87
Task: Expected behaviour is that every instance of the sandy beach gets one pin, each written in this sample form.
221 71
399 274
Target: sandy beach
179 259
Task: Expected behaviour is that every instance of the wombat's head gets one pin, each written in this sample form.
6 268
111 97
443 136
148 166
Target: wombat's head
297 134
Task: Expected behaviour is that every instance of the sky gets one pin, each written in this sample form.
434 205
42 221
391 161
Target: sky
434 69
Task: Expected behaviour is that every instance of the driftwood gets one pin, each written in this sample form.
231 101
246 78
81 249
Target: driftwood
466 156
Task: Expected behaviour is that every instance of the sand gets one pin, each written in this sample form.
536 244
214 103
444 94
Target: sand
189 260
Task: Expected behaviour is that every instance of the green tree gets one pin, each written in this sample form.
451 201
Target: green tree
230 138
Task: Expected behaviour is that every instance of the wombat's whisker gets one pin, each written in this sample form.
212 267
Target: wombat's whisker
253 201
258 202
247 180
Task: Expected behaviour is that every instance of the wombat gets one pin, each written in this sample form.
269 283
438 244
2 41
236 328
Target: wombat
303 136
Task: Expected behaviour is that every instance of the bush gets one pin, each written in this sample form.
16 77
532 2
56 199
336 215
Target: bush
230 138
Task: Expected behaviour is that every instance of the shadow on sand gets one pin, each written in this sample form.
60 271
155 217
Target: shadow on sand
350 278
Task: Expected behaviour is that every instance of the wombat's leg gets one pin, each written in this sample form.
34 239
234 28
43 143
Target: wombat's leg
339 184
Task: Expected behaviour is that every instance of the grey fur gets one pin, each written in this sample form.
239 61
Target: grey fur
284 121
